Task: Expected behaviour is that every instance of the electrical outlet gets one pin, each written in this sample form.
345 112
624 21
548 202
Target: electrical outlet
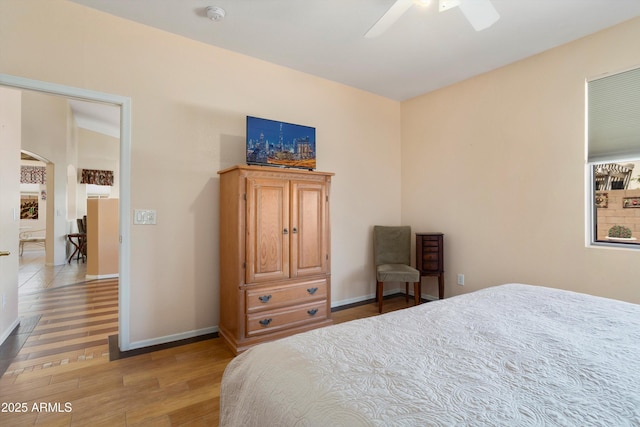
461 279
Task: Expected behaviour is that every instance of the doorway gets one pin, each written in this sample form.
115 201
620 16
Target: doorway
124 103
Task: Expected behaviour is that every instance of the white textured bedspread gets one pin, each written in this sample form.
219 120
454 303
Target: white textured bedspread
511 355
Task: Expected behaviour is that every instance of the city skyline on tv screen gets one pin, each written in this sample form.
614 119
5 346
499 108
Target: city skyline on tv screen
282 144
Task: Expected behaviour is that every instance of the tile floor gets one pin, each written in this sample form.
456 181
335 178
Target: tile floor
35 276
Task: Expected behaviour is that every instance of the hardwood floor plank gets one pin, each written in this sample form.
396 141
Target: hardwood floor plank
98 399
65 359
103 419
10 388
65 320
64 348
91 369
19 419
53 419
184 372
191 413
74 333
41 393
23 365
69 304
161 421
170 400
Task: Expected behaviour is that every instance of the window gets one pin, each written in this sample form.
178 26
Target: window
613 160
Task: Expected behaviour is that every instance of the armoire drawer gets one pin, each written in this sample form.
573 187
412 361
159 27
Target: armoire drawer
268 298
273 321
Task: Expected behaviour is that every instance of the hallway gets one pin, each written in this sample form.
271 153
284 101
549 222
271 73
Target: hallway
63 318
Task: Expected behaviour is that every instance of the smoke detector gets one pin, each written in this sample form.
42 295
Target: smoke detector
215 13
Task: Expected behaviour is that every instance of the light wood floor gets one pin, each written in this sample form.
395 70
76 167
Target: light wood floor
64 365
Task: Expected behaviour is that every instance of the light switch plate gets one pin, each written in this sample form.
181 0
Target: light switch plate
144 216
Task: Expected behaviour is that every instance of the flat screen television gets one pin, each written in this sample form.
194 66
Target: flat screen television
274 143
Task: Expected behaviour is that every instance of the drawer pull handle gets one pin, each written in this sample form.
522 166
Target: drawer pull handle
265 322
264 299
285 231
295 230
312 290
312 312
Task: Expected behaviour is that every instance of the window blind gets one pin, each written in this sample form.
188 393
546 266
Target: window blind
614 117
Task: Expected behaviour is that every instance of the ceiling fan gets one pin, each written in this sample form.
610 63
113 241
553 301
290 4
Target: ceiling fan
480 13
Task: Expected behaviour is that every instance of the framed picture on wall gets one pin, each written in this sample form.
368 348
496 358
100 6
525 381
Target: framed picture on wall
28 207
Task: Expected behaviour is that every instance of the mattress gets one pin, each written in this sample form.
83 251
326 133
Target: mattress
508 355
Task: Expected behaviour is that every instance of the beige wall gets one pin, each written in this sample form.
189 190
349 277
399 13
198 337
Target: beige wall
189 103
497 163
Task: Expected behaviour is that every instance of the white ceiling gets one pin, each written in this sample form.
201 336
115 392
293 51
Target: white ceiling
423 51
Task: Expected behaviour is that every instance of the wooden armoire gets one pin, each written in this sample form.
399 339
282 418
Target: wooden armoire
275 261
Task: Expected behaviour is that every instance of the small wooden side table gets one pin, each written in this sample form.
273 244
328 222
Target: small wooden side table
430 257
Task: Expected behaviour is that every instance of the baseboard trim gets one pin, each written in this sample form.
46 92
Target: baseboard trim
101 276
372 300
9 330
116 354
12 343
368 299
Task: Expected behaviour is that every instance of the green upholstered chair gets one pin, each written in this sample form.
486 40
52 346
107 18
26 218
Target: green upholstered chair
392 257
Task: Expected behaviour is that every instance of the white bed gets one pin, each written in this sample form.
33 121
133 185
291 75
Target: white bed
510 355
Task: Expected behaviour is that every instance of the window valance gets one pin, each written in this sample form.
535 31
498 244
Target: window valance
33 175
96 177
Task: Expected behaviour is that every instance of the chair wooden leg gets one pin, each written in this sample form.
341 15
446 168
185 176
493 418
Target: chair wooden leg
417 292
406 291
379 296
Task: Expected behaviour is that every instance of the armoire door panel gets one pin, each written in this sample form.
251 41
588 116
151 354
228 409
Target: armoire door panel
308 218
267 229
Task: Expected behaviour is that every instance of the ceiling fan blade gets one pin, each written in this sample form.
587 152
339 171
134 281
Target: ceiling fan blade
480 13
390 16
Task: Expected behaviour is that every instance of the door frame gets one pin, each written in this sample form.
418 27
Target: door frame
124 289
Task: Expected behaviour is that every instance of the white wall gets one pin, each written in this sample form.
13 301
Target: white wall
97 151
10 130
497 163
189 103
45 132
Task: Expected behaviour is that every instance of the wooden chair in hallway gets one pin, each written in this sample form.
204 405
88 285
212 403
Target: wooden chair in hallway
79 240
